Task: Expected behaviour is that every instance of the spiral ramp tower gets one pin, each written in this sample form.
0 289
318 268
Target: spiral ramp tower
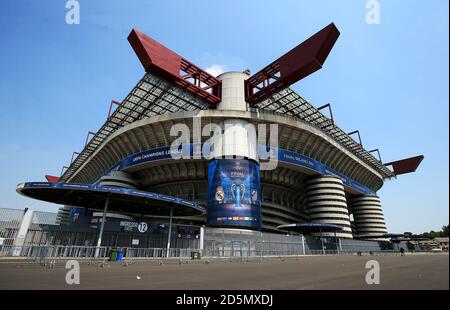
327 203
368 216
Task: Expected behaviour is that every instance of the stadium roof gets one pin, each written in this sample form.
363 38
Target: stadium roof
288 102
173 84
151 96
155 96
120 199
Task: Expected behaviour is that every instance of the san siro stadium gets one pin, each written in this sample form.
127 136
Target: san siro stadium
218 164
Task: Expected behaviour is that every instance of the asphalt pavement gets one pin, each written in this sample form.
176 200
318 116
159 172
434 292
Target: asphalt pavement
419 271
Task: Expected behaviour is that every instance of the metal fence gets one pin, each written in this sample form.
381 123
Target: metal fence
9 225
43 251
46 239
218 243
56 251
39 252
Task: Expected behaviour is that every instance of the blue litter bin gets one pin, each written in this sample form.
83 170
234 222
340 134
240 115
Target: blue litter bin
119 256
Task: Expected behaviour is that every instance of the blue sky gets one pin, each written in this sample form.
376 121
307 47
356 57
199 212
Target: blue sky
389 80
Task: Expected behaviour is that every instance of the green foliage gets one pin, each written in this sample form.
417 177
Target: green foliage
445 230
435 234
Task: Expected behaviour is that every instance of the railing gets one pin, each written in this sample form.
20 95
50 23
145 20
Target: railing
54 251
156 252
286 253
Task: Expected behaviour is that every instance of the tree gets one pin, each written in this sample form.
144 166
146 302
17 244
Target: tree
435 234
445 231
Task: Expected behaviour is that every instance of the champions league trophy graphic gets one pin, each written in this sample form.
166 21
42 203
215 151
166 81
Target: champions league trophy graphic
238 193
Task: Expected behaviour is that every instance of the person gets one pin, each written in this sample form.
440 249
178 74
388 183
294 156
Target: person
402 251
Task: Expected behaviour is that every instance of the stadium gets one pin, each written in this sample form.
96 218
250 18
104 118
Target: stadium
235 157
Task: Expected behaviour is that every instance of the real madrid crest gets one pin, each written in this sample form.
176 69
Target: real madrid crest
220 195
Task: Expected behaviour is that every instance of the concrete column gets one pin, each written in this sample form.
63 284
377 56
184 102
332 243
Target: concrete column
368 215
102 227
326 203
239 137
202 236
23 230
233 91
303 245
169 235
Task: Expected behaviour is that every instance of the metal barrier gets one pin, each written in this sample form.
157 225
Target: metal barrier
53 251
156 252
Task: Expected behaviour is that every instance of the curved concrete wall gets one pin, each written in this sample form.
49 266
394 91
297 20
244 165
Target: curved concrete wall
326 203
118 179
368 215
295 135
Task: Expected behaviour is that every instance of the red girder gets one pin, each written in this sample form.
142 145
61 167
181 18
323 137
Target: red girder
52 178
73 155
306 58
90 133
406 165
158 59
328 105
111 105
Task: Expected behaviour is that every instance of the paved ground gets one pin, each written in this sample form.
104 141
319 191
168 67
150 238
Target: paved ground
424 271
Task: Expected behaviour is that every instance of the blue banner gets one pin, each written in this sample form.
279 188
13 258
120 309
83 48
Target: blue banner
234 197
284 156
306 162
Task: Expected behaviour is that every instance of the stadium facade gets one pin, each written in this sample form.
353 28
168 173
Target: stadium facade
247 148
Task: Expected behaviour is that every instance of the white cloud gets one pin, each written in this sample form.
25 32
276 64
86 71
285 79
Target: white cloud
215 69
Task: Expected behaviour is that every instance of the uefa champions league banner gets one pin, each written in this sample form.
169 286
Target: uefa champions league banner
234 198
284 156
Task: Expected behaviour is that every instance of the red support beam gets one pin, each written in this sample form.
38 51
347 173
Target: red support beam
158 59
111 105
329 109
406 165
63 168
378 152
306 58
52 178
90 133
359 136
73 154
